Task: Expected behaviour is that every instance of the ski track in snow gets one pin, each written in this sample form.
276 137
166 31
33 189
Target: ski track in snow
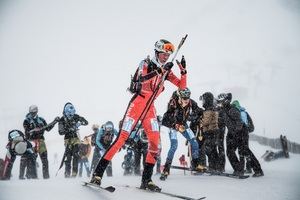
281 181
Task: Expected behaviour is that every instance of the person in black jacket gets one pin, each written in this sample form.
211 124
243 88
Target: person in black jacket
233 122
35 127
210 128
244 151
18 145
181 109
68 126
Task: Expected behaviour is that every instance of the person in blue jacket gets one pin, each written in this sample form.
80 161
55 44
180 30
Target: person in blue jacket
104 139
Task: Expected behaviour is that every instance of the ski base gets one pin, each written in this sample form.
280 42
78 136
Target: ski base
109 188
212 173
169 194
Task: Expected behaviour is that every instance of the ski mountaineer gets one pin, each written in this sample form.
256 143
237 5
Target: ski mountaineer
150 75
35 127
18 145
181 109
96 154
68 126
104 139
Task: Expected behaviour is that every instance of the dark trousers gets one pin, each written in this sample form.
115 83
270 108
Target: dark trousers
246 153
234 142
72 158
211 149
221 149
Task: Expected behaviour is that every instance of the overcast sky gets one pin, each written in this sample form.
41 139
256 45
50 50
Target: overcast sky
52 52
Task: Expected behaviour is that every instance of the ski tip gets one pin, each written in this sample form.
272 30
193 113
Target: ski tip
201 198
110 189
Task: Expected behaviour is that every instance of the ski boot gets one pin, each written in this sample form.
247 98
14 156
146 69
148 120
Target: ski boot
149 185
196 166
258 174
96 180
164 176
166 170
238 173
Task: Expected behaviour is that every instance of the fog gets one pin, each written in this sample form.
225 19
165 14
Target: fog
53 52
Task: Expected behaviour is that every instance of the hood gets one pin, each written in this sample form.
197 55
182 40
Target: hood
69 110
208 100
237 104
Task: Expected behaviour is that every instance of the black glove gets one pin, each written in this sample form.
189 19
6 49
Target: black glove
222 96
57 119
182 62
168 66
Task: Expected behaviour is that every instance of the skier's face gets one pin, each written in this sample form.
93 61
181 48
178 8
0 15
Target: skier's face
163 57
184 101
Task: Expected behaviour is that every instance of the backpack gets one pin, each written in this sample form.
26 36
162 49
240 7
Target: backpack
135 83
246 119
83 149
210 120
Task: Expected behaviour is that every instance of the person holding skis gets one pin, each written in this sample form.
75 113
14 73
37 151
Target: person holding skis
68 126
181 108
149 83
35 127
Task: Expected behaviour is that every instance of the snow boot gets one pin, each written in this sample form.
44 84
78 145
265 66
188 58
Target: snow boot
166 170
150 186
147 183
196 166
258 174
96 180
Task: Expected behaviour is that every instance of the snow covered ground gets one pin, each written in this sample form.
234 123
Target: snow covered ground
281 181
73 50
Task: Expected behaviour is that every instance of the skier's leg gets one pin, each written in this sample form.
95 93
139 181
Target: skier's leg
44 158
132 115
69 149
221 150
151 128
23 164
173 145
45 165
232 145
75 155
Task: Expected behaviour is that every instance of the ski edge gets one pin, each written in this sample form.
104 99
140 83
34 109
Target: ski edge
171 194
213 174
108 188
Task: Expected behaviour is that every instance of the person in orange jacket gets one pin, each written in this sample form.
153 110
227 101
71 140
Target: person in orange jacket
149 76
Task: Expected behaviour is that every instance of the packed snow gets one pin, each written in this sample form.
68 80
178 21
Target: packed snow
281 181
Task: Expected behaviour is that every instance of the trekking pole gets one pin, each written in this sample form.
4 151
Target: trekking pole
62 161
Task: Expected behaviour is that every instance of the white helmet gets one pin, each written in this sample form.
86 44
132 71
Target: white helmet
33 109
164 46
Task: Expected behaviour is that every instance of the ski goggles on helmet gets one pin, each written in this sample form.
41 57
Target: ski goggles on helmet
109 128
164 47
